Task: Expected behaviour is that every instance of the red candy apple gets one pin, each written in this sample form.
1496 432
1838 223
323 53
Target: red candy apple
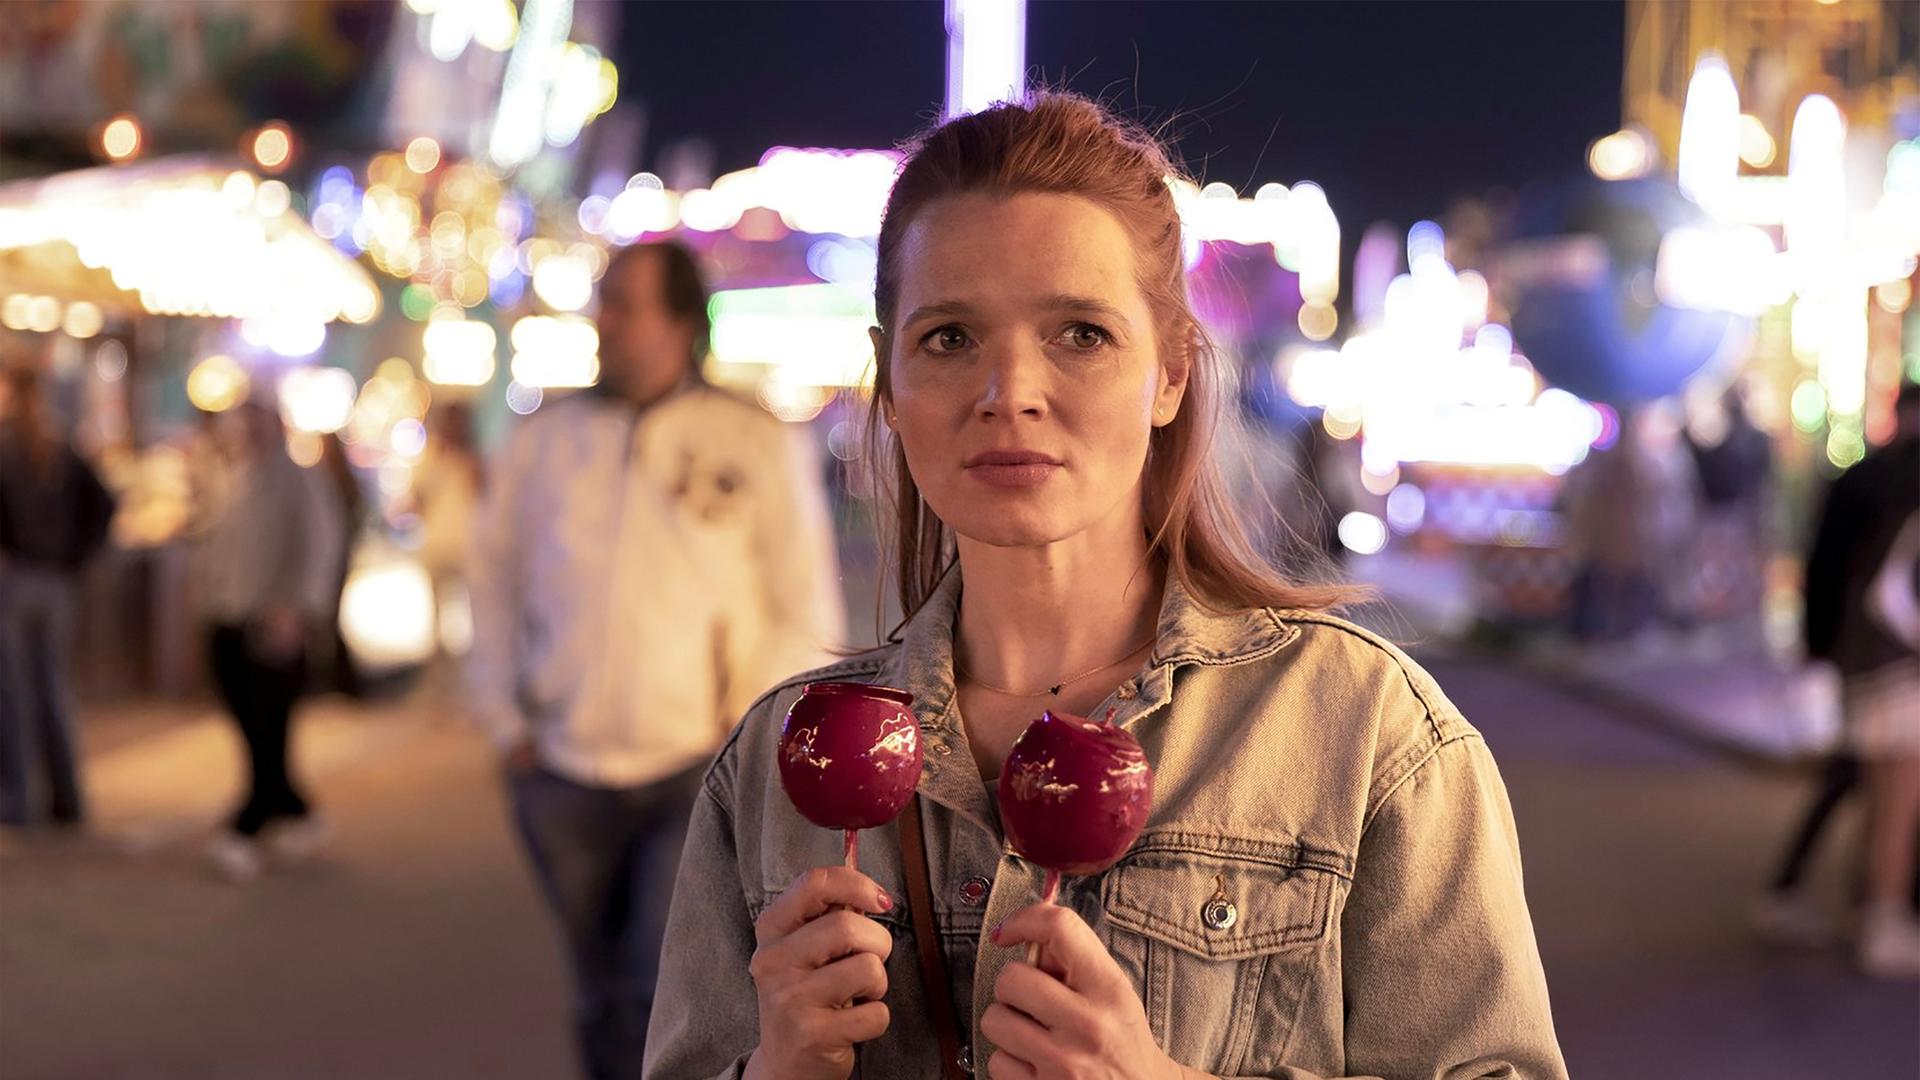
1074 794
850 755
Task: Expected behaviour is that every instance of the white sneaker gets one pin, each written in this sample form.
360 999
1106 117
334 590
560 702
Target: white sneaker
1787 919
1889 946
299 839
234 857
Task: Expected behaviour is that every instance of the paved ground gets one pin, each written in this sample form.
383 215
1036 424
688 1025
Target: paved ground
1642 852
418 948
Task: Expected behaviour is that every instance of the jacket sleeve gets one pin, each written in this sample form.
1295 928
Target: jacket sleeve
798 614
1890 599
492 572
93 511
1442 975
323 537
1825 588
706 1014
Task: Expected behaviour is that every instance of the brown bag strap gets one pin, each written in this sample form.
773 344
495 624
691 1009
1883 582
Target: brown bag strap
933 960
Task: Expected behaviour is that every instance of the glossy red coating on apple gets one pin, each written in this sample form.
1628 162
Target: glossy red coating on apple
1074 794
850 754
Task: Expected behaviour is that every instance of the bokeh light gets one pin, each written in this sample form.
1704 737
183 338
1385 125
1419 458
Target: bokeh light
121 137
272 146
217 384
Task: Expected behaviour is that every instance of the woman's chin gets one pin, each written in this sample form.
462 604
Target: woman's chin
1012 529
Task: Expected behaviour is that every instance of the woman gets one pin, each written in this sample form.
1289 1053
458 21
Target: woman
264 582
54 515
446 487
1329 883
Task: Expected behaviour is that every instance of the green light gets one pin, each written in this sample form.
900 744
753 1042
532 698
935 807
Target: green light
815 300
1845 447
1809 406
416 302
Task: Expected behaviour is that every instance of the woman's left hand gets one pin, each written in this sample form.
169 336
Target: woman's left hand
1076 1016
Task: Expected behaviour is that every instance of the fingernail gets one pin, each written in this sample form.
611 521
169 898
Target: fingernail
993 935
886 902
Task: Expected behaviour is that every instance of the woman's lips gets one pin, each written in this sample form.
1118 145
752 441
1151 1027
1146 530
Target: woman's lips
1023 475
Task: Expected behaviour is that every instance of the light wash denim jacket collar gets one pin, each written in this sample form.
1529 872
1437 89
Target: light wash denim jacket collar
921 663
1328 885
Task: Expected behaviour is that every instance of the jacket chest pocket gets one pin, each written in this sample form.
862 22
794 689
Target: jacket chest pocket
1221 947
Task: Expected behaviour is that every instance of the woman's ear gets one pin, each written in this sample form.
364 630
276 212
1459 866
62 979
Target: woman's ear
1172 387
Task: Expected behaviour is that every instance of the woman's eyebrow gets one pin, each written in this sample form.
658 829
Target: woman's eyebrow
1083 305
944 307
1086 305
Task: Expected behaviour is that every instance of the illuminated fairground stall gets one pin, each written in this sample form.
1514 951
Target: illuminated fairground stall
1751 229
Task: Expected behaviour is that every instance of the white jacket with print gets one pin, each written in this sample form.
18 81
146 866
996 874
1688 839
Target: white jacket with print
640 576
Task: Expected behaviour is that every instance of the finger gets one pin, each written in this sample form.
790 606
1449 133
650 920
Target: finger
861 1023
860 976
1004 1066
1018 1034
832 936
1052 1003
1083 961
816 892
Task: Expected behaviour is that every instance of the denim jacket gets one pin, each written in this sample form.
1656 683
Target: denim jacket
1328 884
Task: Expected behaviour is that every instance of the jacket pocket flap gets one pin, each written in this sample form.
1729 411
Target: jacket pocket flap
1218 906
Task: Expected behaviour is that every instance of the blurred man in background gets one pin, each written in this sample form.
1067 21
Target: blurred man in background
54 515
652 554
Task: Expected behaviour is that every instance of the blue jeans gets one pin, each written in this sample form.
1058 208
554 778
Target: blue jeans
36 719
606 859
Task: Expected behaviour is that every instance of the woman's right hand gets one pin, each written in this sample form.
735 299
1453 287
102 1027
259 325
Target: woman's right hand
819 965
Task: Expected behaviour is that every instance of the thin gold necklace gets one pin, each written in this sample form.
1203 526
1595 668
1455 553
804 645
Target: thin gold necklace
1055 689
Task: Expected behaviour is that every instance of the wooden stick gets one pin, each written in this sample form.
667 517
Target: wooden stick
1050 895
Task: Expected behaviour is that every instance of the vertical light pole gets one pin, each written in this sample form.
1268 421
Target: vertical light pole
986 53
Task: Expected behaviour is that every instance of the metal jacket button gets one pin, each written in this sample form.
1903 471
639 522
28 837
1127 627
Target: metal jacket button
1219 914
974 890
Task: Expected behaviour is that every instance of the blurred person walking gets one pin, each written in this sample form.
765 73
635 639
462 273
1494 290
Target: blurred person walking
446 494
332 666
1862 595
54 515
1734 461
1631 510
266 577
652 554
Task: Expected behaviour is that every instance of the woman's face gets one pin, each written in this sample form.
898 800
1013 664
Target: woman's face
1025 369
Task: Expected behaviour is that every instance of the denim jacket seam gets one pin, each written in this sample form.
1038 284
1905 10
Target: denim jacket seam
1296 855
1190 655
720 792
1420 756
1381 645
720 805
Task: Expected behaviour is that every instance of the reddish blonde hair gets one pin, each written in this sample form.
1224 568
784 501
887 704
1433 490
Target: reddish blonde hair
1061 143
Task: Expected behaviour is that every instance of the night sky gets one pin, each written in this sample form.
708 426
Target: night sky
1394 108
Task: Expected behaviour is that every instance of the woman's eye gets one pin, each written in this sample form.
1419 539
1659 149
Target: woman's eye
1086 336
945 339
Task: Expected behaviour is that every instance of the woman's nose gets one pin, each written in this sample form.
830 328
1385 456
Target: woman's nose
1016 383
